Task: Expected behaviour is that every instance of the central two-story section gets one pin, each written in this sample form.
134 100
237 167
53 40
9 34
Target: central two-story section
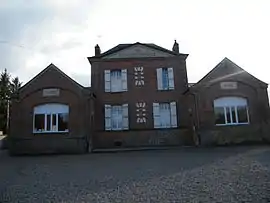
140 102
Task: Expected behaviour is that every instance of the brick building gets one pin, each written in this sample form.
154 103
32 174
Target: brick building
139 96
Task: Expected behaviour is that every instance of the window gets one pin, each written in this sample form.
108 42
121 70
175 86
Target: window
165 115
116 117
51 118
165 79
231 111
115 80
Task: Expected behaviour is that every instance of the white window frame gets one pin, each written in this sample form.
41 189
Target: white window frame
231 103
108 86
170 79
172 112
50 109
109 119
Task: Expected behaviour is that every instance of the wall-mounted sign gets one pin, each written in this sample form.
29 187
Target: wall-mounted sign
228 85
51 92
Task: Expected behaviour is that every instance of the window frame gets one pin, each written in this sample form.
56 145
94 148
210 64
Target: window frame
108 117
231 107
120 88
44 109
173 115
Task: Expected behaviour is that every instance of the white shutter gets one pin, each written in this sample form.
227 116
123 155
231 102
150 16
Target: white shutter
108 122
124 79
171 78
125 124
173 114
159 78
156 115
107 80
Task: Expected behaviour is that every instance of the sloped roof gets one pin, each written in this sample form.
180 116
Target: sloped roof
124 46
227 62
49 67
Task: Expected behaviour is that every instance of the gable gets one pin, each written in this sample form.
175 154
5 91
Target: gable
48 78
138 51
226 70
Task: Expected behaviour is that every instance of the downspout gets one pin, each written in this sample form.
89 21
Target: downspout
195 97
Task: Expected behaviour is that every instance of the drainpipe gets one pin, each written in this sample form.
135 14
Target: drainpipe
196 115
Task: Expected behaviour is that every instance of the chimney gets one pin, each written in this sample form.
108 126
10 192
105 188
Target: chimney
97 50
175 47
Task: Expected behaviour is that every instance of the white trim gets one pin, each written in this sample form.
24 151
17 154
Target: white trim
229 104
49 109
232 124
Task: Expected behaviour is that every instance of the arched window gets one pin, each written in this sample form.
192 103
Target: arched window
51 118
231 111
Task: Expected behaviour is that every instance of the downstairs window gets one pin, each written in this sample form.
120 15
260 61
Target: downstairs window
231 111
51 118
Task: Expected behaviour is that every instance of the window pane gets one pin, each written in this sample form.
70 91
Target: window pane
165 115
39 122
48 122
165 78
242 114
219 115
54 126
116 117
116 80
63 122
233 115
228 113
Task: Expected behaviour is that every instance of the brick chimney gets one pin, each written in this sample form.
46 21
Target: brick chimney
175 47
97 50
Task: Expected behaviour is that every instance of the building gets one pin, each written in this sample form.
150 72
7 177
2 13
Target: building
139 96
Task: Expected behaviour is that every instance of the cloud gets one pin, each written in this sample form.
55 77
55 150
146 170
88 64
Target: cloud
36 33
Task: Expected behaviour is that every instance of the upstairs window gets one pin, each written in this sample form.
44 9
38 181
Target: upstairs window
50 118
165 79
231 111
115 80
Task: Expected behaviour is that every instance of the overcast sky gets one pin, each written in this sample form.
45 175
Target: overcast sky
35 33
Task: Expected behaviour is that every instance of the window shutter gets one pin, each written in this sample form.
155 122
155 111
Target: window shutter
124 79
107 80
173 114
171 78
159 79
156 115
125 124
108 123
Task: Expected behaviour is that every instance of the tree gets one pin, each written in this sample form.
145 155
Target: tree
8 87
4 98
15 85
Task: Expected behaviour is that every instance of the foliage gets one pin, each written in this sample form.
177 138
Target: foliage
8 87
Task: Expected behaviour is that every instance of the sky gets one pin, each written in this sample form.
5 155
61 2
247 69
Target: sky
35 33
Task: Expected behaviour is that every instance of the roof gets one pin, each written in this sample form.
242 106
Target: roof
227 62
120 47
51 66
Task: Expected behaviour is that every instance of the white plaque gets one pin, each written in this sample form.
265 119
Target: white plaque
51 92
228 85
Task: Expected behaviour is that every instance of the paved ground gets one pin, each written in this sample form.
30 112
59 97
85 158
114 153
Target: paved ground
234 174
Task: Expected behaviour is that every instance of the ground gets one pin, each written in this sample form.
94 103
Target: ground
224 174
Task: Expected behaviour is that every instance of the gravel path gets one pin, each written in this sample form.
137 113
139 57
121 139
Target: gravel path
194 175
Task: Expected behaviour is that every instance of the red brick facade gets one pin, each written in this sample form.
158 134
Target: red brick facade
194 105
